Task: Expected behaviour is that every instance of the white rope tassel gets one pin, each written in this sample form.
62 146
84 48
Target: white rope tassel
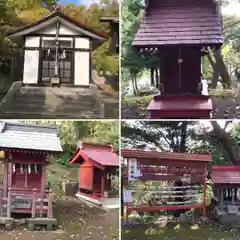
49 51
64 54
35 168
21 168
14 168
29 168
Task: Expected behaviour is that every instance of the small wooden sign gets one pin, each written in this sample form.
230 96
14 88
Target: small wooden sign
127 196
232 209
55 80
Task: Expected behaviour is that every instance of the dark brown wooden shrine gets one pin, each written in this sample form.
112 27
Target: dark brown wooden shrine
179 33
226 180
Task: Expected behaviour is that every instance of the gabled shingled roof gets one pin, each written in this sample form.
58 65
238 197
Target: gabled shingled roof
225 174
60 15
174 22
99 153
15 135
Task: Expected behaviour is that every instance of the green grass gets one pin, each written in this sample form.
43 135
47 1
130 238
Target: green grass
172 233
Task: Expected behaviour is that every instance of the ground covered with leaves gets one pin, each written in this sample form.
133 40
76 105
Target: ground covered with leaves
76 221
179 232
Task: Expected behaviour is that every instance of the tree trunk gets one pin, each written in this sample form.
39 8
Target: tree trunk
152 76
222 68
227 142
215 76
134 85
183 137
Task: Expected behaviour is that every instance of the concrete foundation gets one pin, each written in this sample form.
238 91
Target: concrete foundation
49 222
8 222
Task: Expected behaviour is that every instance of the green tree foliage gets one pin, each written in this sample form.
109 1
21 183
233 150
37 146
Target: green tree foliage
15 13
178 136
70 132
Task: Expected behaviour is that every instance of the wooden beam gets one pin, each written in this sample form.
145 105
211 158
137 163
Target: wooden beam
9 203
34 197
162 207
204 192
103 184
5 183
50 199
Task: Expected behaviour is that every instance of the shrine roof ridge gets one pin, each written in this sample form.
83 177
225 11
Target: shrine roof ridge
138 153
92 144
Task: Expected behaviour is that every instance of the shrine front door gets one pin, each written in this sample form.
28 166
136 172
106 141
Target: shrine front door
61 67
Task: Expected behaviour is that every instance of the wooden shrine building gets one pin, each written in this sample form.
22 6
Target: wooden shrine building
180 180
25 148
57 49
179 34
98 163
226 185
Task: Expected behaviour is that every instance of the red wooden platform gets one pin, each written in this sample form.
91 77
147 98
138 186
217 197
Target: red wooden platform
180 107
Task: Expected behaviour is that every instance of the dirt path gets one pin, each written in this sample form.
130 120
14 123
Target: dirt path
76 221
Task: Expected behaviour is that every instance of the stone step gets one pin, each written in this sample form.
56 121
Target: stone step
53 101
37 115
50 109
58 91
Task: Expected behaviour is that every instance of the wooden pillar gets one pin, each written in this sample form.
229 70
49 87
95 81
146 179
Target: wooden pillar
103 184
1 202
43 180
221 199
34 198
43 185
204 192
233 196
26 175
9 203
10 174
49 214
5 182
122 192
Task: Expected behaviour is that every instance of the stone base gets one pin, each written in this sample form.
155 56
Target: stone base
49 222
8 222
229 220
172 107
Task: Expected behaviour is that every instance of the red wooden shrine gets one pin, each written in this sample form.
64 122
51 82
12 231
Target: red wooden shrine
226 185
179 33
97 164
26 149
179 180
